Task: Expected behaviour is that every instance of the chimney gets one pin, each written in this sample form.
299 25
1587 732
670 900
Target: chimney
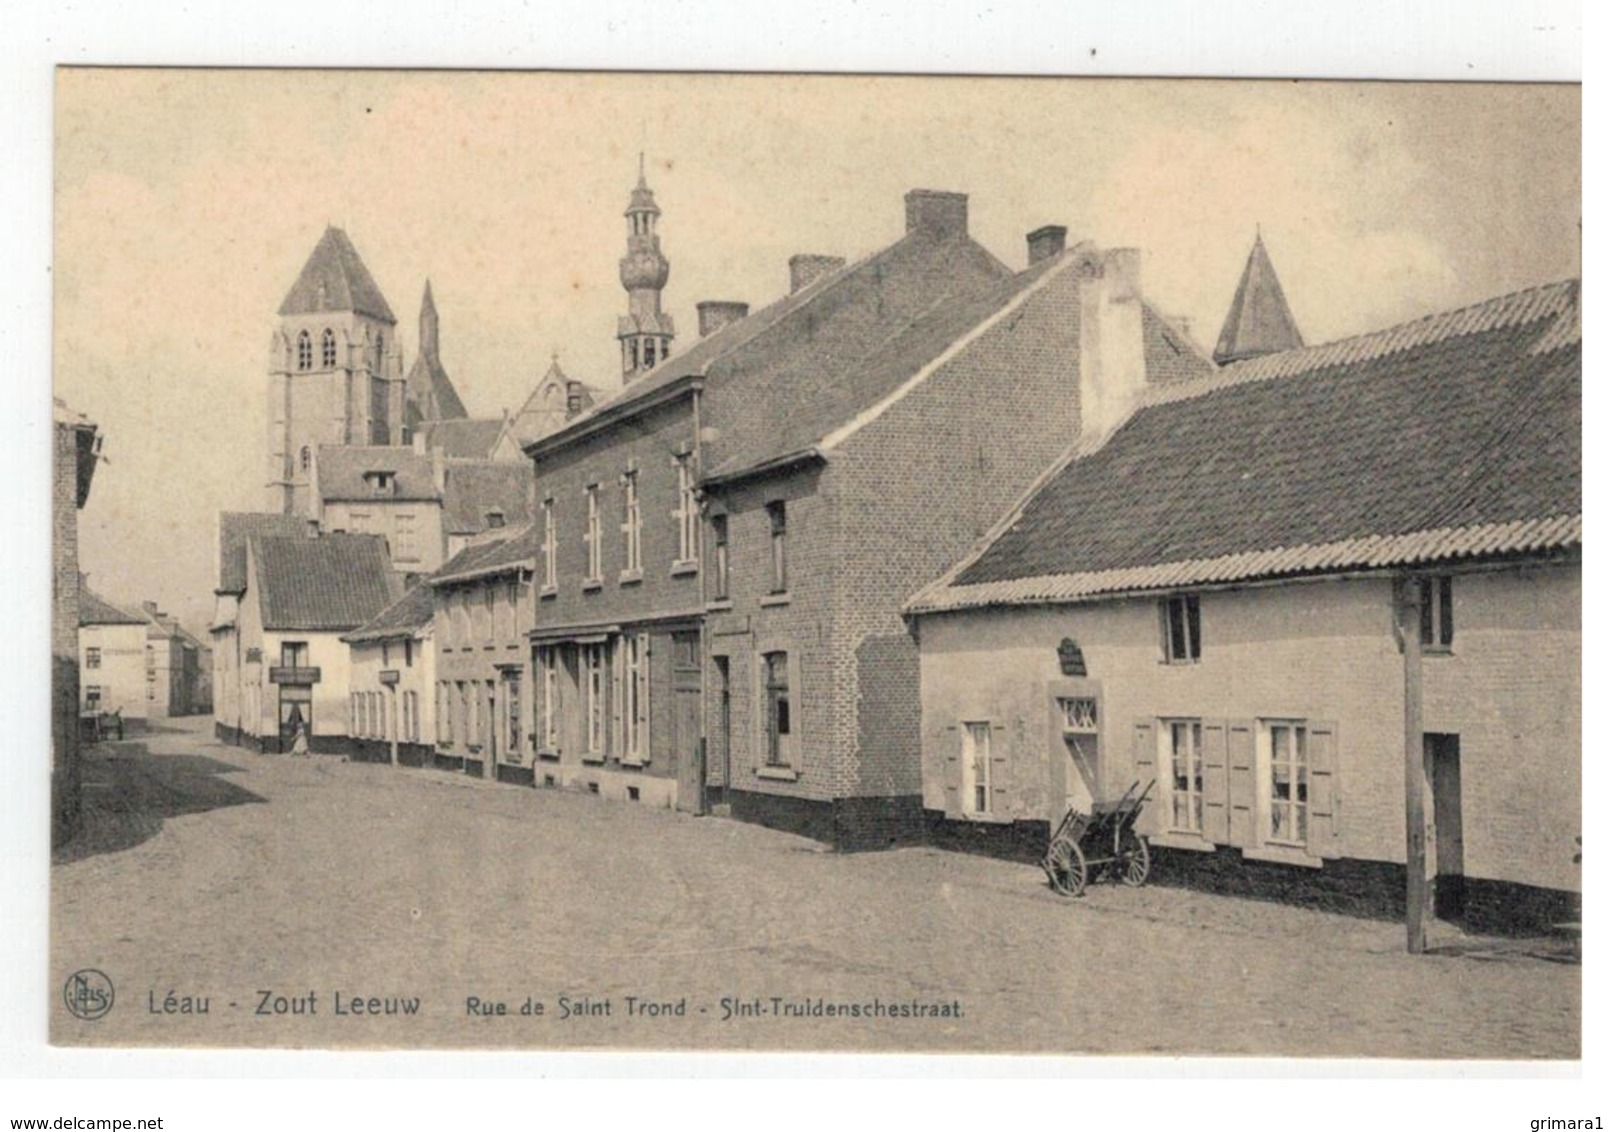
151 608
417 441
1113 372
938 214
808 269
717 313
1045 243
574 399
439 471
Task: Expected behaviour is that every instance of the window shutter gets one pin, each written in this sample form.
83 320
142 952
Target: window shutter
952 747
1217 821
1322 792
1242 782
999 770
1144 765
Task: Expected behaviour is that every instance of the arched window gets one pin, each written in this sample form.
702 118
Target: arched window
380 351
303 457
305 351
327 349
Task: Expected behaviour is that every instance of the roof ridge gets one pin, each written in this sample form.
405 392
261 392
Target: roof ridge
1503 310
1364 552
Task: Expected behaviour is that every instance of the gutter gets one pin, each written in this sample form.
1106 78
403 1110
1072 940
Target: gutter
778 464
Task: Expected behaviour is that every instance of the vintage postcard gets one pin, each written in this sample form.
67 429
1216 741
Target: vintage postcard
716 562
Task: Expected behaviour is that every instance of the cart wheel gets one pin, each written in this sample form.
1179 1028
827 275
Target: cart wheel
1132 860
1067 868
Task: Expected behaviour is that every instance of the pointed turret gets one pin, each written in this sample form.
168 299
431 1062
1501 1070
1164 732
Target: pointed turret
645 332
430 396
1259 321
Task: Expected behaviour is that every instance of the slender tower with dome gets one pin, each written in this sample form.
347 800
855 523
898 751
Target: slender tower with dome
645 331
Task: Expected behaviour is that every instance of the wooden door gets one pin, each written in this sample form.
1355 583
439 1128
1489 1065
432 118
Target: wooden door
691 768
1443 757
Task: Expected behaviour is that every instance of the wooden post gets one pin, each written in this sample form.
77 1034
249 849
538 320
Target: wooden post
392 749
1419 893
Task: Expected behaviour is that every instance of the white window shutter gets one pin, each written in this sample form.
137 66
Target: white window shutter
1217 820
951 739
1242 782
1322 791
1144 766
999 770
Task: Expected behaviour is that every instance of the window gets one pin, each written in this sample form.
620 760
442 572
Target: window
635 684
1287 793
548 701
1182 741
411 716
380 350
1181 614
719 557
779 530
305 457
92 657
632 353
489 599
593 659
632 524
406 546
305 351
151 686
550 572
1438 626
512 714
92 697
408 652
495 519
977 767
649 352
327 348
380 482
1080 713
444 736
595 570
688 512
294 654
352 713
780 734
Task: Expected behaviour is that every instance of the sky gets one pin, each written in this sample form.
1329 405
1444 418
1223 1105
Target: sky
187 201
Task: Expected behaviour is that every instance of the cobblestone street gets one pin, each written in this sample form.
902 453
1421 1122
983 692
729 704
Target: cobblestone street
212 874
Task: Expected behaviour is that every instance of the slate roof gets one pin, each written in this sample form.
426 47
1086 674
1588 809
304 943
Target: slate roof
235 528
496 556
429 393
93 609
403 618
475 487
809 340
463 439
347 284
341 470
332 583
1259 321
1453 436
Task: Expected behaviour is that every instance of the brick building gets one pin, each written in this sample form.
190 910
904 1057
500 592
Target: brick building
75 449
734 534
1233 593
483 602
392 683
112 658
172 665
394 492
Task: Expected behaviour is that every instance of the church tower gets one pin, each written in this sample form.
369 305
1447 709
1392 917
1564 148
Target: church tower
1259 321
335 370
644 332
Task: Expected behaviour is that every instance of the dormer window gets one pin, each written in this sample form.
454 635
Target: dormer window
381 482
327 349
495 519
305 351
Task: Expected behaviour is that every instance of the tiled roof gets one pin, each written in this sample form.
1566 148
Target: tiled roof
235 528
431 394
341 470
332 583
463 439
93 609
1259 321
335 279
1453 436
475 487
403 618
808 340
496 556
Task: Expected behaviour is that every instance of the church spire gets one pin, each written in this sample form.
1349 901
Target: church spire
428 325
1259 321
430 394
645 332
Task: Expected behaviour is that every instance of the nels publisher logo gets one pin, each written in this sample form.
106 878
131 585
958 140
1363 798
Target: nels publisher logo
88 994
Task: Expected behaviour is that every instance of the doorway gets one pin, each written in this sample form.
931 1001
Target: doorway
296 714
1443 764
724 727
691 763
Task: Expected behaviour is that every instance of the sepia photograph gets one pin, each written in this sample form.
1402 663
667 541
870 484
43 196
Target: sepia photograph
583 560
